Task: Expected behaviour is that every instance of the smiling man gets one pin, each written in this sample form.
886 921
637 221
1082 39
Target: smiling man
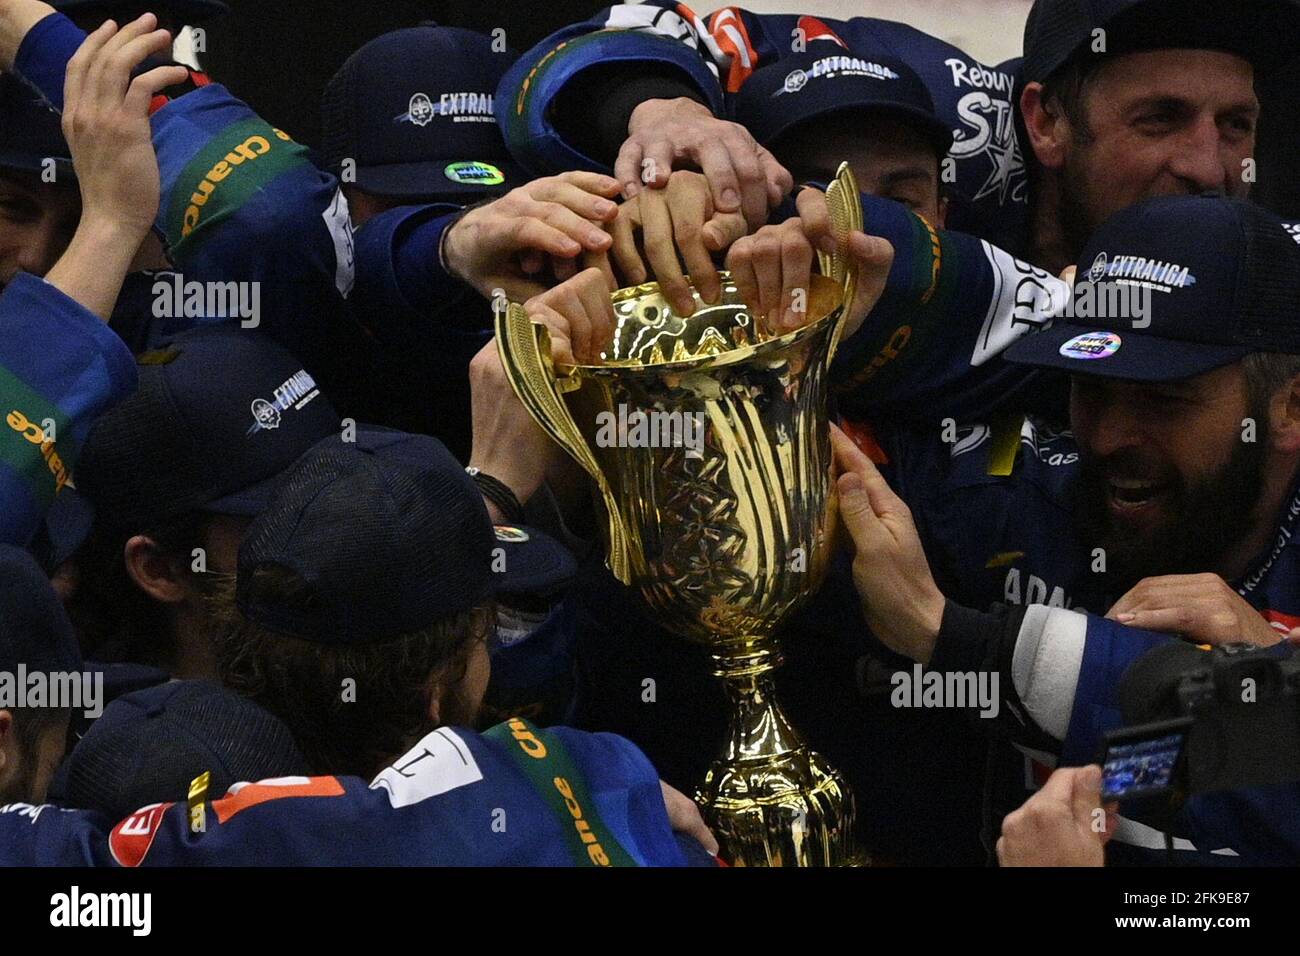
1170 506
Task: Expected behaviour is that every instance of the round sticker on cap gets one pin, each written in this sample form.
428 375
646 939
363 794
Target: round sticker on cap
511 534
1091 345
475 174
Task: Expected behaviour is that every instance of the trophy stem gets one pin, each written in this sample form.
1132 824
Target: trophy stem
770 800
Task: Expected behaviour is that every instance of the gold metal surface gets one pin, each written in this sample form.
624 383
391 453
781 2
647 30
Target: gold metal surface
725 536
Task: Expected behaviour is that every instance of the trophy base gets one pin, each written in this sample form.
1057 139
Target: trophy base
771 801
788 810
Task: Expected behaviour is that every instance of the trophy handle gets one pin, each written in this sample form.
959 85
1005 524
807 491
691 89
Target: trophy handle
845 204
525 349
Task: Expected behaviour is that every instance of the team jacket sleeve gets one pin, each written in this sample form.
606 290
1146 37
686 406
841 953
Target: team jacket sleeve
931 346
241 201
60 369
402 288
543 101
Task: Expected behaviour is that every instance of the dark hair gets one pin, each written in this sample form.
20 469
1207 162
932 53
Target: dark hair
303 682
1266 372
114 619
1067 89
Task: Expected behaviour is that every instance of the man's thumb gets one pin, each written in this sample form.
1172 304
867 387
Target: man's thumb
855 506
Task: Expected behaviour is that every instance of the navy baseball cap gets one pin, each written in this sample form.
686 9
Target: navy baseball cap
219 413
785 94
34 629
31 132
413 110
183 11
1264 32
1224 281
149 745
387 544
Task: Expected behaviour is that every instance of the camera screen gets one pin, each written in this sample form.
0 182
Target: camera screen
1140 767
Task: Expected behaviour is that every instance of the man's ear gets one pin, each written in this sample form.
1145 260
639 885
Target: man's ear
943 214
1284 418
1048 129
6 737
152 572
434 691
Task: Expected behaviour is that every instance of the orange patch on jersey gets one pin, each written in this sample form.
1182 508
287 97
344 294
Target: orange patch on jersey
727 27
253 794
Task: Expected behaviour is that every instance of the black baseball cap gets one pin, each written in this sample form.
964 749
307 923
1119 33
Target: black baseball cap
218 414
1224 281
182 11
413 110
149 745
785 94
388 544
1264 32
31 132
34 629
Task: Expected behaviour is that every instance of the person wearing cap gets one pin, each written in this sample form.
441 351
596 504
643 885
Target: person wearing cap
244 218
445 218
1169 507
1122 100
35 639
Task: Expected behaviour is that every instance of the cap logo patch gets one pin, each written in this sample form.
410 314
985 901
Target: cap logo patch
420 110
1098 268
462 107
1152 273
1091 345
294 392
831 66
510 534
475 174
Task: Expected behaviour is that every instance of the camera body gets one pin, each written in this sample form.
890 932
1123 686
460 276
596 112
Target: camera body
1202 721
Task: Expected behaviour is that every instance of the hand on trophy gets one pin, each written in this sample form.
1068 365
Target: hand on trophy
579 316
874 255
743 177
507 443
505 244
773 269
677 224
902 604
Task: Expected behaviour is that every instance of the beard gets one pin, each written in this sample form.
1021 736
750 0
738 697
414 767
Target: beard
1203 519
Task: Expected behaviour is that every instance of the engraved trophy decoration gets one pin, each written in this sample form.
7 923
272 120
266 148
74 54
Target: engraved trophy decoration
726 536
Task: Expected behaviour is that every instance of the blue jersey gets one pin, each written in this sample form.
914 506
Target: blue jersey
717 54
516 795
61 367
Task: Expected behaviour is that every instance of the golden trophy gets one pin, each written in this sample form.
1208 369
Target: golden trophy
708 440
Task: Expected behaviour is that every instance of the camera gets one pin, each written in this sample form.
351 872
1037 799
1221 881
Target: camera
1199 721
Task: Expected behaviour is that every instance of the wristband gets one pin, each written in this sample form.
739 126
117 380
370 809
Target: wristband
499 493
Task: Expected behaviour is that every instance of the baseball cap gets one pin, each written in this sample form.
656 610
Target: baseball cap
183 11
34 629
220 411
149 745
413 109
1224 281
387 544
31 132
1265 32
796 89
